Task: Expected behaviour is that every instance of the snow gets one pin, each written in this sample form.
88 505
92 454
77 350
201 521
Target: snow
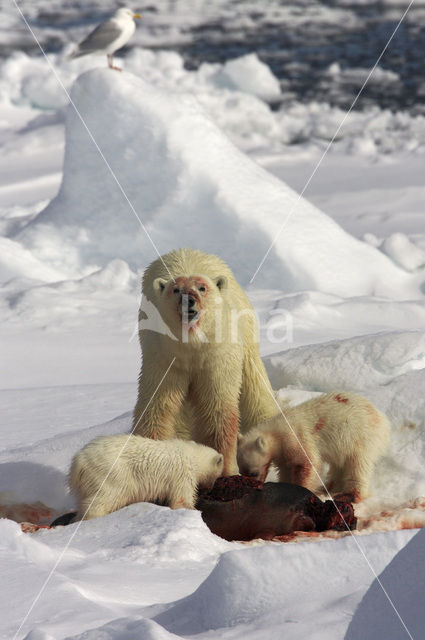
249 75
404 581
225 590
205 161
197 187
285 591
404 252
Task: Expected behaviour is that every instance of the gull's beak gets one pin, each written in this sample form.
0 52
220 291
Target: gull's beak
136 15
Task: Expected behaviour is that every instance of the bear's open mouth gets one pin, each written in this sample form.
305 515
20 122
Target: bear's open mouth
189 309
189 315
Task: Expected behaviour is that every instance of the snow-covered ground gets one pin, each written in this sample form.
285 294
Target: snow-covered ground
201 159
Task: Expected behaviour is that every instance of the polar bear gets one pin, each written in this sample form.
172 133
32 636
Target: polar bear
202 355
111 472
343 429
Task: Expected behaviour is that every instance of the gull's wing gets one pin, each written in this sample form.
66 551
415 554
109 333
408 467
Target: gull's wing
99 38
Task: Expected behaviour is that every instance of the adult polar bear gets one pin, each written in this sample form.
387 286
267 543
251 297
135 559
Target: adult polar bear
217 382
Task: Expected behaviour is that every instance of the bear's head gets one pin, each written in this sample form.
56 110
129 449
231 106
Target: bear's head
208 462
253 455
190 304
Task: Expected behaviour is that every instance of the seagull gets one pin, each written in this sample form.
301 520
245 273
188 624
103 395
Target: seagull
109 36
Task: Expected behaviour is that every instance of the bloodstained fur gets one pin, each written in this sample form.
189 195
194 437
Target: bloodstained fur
320 423
340 398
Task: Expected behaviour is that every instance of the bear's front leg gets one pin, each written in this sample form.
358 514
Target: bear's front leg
220 431
182 492
305 467
159 399
356 474
215 399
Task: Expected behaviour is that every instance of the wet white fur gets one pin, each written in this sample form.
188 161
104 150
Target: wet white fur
221 383
350 436
140 470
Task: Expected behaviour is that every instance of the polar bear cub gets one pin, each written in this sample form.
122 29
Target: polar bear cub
342 429
111 472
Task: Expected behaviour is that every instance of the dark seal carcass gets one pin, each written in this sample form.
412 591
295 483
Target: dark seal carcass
241 508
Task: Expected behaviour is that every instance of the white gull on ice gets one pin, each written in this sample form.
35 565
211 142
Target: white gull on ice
109 36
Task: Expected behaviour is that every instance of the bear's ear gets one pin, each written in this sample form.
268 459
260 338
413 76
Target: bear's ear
219 459
159 285
221 282
260 443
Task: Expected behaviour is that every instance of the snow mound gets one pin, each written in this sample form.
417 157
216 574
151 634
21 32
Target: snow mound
404 581
25 482
250 75
65 303
355 364
189 186
157 535
37 634
404 252
15 261
20 545
123 629
278 584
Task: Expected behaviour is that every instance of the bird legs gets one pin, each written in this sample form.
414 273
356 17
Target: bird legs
111 62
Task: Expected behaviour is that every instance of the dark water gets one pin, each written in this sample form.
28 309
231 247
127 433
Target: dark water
298 55
300 58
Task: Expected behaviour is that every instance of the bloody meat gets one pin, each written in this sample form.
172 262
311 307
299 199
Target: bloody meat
241 508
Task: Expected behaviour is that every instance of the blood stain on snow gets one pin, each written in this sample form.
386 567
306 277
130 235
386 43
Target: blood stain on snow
29 527
34 513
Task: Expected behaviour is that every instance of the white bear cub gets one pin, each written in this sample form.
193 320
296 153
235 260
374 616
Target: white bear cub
342 429
111 472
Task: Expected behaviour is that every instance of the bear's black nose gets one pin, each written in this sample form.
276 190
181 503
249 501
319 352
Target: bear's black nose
190 301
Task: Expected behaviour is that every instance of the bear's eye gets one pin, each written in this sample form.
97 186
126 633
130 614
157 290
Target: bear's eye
202 288
176 290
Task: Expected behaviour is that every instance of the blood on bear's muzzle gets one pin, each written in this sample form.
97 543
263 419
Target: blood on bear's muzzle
189 307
